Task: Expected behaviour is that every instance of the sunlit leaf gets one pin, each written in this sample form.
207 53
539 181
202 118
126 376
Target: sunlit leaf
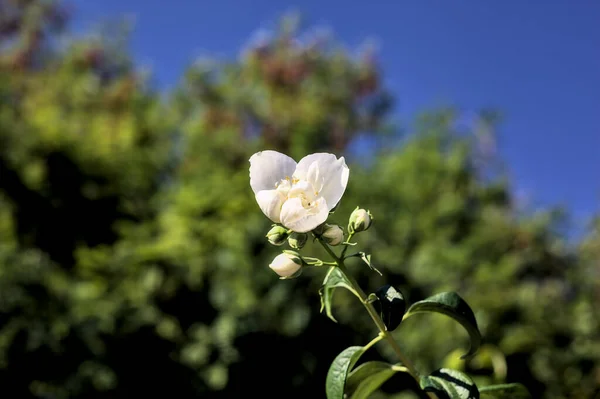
450 384
505 391
338 371
452 305
367 378
334 279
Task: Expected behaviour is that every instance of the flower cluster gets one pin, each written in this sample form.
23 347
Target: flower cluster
298 195
298 198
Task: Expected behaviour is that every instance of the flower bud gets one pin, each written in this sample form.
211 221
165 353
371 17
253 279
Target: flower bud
333 234
360 220
277 235
319 229
297 240
286 264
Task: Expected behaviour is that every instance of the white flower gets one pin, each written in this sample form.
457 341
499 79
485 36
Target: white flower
286 264
299 196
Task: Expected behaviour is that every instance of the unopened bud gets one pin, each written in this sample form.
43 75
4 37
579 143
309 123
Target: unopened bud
333 234
286 264
277 235
319 229
360 220
297 240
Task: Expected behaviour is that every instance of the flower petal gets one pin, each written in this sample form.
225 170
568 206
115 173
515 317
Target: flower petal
327 174
301 220
284 265
302 189
270 202
268 168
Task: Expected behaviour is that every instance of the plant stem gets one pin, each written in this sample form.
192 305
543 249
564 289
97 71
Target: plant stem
346 246
373 313
378 338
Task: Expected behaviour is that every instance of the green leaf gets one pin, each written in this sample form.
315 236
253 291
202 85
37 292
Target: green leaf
505 391
367 259
334 279
391 306
338 371
450 384
367 378
451 304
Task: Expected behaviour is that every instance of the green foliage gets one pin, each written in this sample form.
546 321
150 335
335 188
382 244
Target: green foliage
131 263
367 378
450 384
338 371
333 279
505 391
452 305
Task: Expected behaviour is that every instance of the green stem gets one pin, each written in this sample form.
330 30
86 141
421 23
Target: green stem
373 313
378 338
346 246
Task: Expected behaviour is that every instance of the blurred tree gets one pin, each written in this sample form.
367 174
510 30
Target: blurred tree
133 258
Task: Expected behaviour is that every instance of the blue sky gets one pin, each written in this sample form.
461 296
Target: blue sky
537 61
